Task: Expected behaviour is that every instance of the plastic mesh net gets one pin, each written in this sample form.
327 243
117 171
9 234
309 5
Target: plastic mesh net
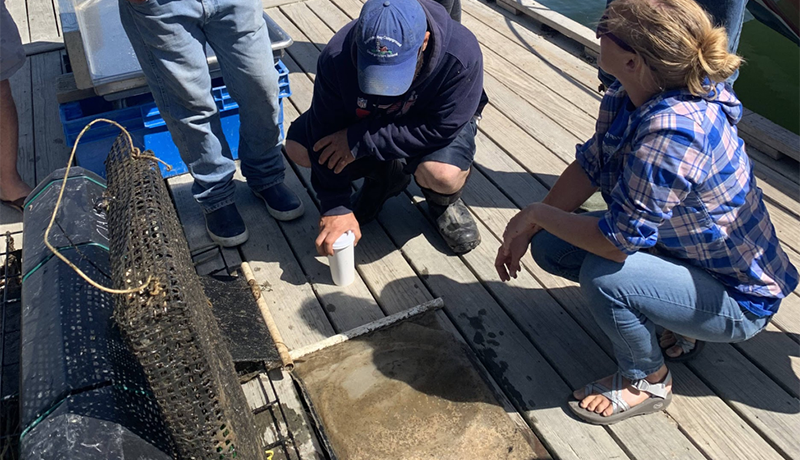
169 324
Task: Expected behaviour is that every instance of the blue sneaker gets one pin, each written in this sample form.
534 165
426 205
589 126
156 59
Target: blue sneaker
226 227
282 203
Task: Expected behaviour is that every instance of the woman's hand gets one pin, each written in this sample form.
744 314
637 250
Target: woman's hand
516 239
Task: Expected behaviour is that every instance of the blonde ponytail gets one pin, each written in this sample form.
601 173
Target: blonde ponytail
677 40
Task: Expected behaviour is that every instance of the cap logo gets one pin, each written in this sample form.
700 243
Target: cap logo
381 46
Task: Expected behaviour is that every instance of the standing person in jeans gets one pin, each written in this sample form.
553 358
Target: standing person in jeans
169 38
13 190
725 13
686 243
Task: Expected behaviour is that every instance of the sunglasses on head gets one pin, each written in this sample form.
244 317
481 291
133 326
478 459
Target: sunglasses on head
602 31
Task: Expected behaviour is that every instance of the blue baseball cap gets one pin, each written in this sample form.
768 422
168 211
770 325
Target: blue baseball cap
389 35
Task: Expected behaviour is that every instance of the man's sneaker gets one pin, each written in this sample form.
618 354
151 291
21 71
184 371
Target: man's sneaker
282 203
226 227
456 226
386 181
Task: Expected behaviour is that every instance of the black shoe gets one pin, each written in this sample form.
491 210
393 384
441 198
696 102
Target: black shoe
226 227
380 185
281 201
456 226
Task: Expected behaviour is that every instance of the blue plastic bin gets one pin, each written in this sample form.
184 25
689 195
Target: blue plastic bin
143 120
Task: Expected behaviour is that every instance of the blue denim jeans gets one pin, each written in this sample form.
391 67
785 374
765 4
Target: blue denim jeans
727 13
169 38
630 300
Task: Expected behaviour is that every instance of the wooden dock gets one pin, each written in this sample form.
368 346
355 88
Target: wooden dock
534 335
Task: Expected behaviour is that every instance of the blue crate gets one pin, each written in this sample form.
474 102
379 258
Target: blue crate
143 120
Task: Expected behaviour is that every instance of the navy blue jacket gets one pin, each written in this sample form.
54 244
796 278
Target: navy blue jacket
443 98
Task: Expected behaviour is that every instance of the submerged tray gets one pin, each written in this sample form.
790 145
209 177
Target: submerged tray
409 391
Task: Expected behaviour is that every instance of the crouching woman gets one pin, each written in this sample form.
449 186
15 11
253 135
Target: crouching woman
686 244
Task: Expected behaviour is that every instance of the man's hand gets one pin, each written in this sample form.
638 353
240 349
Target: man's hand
516 238
331 228
335 151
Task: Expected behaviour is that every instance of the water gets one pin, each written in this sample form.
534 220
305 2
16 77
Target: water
769 82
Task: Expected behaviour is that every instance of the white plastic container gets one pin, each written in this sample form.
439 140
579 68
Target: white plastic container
342 262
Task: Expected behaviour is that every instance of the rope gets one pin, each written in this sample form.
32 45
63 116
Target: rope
136 153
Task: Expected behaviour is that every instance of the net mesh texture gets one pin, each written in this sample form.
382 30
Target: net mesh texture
169 324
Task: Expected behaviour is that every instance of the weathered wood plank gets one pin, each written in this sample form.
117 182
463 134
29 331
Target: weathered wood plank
498 167
352 8
785 167
519 30
777 189
275 3
531 119
313 28
303 51
751 393
259 402
302 86
19 12
556 107
42 20
788 317
556 21
524 149
330 14
772 139
714 426
777 355
51 151
787 230
535 67
291 406
23 99
347 307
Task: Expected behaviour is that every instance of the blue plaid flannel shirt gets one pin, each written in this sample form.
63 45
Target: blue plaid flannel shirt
675 176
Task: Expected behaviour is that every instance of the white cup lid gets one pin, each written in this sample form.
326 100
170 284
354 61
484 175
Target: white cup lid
347 239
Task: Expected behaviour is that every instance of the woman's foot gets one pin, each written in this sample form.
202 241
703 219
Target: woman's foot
600 404
677 347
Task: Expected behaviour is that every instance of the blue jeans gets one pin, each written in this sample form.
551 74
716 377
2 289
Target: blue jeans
169 38
727 13
629 300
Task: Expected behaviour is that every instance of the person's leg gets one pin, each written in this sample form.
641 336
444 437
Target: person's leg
12 187
237 32
628 300
12 58
442 175
170 45
558 257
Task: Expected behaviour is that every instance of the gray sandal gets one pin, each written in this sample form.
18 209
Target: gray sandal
689 349
659 399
